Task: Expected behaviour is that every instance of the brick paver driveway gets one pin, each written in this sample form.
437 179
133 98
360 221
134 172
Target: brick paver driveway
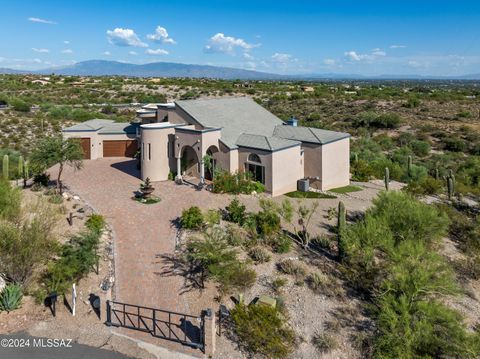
142 232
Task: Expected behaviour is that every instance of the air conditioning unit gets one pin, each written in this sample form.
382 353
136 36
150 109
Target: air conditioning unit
303 185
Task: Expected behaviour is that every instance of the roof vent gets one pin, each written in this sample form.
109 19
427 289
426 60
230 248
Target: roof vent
292 121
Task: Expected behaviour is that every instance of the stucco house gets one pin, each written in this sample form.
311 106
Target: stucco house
236 133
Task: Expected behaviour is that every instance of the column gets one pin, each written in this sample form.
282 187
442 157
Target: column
209 332
178 178
202 172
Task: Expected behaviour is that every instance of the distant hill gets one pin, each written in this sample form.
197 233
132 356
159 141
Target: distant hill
157 69
171 69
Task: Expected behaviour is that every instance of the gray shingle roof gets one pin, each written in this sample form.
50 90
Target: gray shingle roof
234 115
91 125
264 143
103 126
308 134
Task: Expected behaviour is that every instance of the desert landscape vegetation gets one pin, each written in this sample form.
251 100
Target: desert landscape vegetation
388 267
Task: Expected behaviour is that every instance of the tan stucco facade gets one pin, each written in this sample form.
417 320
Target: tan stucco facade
336 164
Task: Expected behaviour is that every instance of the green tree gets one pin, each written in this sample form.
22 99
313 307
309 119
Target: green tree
57 150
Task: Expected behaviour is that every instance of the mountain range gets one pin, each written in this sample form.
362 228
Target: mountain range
171 69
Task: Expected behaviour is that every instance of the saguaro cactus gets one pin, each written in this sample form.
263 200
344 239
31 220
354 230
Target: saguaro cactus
450 187
5 168
387 179
26 174
355 157
341 224
437 173
20 167
409 165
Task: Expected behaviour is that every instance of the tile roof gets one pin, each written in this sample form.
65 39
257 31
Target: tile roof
235 115
91 125
308 134
264 142
103 126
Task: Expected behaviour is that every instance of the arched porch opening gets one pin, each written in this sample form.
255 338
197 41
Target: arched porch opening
212 153
189 162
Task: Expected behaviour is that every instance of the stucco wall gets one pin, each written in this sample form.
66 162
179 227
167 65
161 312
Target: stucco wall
313 160
336 164
287 168
96 140
155 159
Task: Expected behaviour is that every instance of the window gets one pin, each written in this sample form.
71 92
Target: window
149 152
257 172
253 157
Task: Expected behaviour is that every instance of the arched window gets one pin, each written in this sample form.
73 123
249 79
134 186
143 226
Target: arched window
253 157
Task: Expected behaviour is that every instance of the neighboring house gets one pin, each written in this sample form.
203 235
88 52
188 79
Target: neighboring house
236 133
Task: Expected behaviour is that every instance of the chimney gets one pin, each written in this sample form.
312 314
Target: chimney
292 121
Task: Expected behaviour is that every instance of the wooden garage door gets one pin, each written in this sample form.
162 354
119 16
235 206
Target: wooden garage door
122 148
86 146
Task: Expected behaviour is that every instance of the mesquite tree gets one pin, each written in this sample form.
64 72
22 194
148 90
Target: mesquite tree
57 150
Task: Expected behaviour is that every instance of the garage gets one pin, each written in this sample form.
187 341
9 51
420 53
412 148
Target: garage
119 148
86 146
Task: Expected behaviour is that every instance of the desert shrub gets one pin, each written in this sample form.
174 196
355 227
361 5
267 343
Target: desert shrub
259 255
463 230
427 186
278 283
268 219
56 198
262 330
27 242
324 342
42 179
323 242
292 267
11 297
212 217
236 212
77 258
420 148
10 200
236 236
317 280
213 258
234 183
361 171
19 105
192 218
454 144
382 120
95 222
280 243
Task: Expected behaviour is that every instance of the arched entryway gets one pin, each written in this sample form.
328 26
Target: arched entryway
212 152
189 162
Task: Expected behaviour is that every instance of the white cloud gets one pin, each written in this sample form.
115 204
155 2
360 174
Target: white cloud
161 36
133 53
67 51
329 62
43 51
156 52
397 46
107 53
281 58
124 37
219 43
42 21
374 55
247 56
66 42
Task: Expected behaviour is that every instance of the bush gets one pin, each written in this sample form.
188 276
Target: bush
19 105
192 218
259 255
281 243
292 267
420 148
316 281
11 297
324 342
278 283
42 179
95 222
236 212
10 200
262 330
212 217
427 186
235 183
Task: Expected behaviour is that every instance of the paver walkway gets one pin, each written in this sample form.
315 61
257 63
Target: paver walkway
145 232
142 232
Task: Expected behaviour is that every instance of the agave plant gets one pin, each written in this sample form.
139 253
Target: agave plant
11 297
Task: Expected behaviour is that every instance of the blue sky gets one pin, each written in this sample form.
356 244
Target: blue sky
351 37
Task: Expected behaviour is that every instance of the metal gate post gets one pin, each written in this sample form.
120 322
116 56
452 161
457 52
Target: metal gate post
209 332
109 314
